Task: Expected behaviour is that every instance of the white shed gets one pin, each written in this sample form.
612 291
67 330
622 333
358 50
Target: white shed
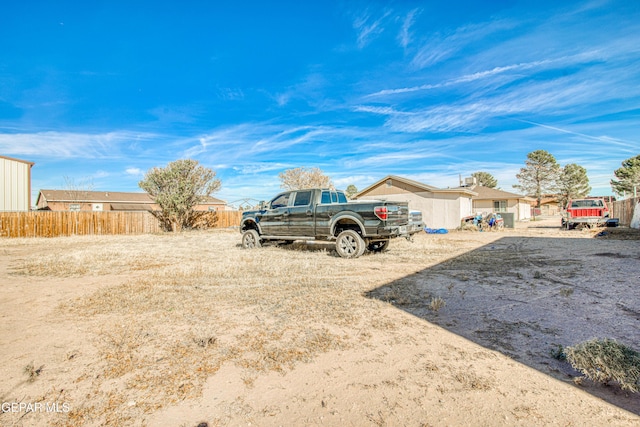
16 184
440 207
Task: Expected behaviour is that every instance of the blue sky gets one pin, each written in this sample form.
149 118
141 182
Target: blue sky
101 91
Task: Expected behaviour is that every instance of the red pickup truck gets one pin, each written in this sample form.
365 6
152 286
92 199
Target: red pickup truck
587 213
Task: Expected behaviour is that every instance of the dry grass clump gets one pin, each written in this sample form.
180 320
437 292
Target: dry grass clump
280 351
605 360
472 381
436 304
32 372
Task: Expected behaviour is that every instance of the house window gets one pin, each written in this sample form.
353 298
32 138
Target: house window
74 207
499 205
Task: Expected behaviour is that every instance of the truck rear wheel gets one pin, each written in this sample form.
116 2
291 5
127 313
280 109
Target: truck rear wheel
251 239
350 244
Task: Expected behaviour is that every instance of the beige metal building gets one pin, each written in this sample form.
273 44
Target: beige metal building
15 192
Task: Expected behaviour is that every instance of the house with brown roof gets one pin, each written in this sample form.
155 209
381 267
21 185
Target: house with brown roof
489 200
75 200
549 205
15 184
440 207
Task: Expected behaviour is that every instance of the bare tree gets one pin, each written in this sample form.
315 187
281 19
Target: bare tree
299 178
78 192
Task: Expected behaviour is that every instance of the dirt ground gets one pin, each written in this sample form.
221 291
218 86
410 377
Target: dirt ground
189 329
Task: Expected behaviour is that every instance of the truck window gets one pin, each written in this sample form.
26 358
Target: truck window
341 197
280 201
334 197
326 198
303 198
587 204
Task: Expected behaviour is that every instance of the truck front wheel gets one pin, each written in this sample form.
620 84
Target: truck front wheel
349 244
251 239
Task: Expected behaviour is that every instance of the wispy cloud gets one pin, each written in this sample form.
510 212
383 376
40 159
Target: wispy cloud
267 142
251 168
378 110
560 95
602 139
63 145
516 69
368 28
404 36
312 90
134 171
440 47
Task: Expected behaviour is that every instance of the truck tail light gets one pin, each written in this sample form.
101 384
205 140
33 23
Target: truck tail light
381 212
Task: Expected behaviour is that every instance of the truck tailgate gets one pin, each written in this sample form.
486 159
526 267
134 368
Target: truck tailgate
585 212
396 214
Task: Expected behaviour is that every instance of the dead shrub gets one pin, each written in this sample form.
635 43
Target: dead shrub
32 372
204 220
605 360
436 304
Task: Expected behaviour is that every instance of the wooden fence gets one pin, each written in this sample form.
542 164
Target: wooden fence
53 224
623 210
226 219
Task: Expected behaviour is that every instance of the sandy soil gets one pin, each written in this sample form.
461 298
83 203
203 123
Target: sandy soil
189 330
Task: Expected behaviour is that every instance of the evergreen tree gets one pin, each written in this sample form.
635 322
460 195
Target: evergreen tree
628 175
539 176
485 179
573 183
350 191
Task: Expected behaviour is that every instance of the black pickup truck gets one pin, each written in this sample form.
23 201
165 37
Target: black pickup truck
325 214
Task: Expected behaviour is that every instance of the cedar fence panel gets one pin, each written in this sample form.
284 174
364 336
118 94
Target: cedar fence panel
228 218
623 210
65 223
